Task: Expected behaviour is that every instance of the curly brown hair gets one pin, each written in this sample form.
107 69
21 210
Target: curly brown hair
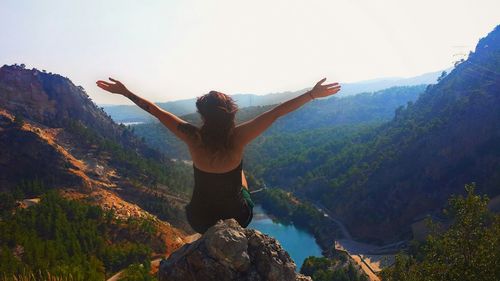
218 111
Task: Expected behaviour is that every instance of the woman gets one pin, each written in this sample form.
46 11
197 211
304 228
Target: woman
220 190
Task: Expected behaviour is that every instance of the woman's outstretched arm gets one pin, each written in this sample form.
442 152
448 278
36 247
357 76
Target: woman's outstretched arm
249 130
179 127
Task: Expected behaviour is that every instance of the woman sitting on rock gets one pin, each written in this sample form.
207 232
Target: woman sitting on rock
220 190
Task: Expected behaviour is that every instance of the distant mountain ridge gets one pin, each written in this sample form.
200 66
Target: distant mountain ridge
349 111
132 113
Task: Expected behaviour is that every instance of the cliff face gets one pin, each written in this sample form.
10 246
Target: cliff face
229 252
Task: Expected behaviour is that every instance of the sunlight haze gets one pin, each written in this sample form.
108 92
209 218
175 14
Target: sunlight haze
168 50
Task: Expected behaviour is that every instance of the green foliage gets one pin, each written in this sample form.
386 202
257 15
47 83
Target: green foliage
39 276
324 269
29 189
18 121
467 250
148 171
66 238
7 204
137 272
287 209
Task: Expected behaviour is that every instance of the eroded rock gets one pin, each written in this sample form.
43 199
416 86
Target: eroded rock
229 252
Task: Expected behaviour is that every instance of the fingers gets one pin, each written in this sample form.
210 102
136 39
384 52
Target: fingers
320 82
334 88
104 83
113 80
102 86
331 85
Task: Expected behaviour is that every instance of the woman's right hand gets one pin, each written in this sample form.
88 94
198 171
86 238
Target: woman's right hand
321 91
116 88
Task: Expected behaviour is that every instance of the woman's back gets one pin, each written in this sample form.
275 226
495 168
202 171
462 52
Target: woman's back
215 162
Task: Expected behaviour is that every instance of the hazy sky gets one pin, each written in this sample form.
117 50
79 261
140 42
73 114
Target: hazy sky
166 50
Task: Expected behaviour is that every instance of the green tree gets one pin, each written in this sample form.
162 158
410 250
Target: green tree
468 250
18 121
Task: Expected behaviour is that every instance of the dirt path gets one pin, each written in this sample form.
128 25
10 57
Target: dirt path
365 267
361 253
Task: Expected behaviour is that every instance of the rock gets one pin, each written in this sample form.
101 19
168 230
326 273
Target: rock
229 252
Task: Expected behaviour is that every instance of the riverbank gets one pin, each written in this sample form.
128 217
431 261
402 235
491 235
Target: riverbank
330 234
284 208
291 238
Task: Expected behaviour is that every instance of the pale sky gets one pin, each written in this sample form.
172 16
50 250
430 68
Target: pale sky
168 50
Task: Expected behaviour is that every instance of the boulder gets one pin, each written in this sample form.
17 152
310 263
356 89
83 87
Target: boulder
229 252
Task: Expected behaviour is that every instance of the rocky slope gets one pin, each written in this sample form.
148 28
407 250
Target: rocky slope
50 99
30 150
229 252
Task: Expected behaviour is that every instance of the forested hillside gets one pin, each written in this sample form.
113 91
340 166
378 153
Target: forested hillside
378 180
72 240
80 195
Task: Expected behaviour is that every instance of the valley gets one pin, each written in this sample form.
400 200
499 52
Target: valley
380 173
84 196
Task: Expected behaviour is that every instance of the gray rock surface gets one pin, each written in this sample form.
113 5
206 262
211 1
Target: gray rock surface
229 252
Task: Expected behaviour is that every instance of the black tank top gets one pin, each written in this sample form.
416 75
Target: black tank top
217 196
216 189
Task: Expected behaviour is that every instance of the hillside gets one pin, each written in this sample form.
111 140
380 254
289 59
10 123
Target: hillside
379 179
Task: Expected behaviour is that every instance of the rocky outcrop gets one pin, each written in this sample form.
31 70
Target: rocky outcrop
55 102
51 100
229 252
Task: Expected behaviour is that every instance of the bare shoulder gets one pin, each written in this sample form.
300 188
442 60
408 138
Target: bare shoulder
239 137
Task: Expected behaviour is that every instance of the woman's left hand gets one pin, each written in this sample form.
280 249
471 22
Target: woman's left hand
321 91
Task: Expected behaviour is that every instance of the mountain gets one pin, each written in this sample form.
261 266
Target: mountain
132 113
56 147
353 110
379 179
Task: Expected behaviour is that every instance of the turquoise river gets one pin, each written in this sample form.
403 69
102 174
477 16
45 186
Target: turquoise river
298 243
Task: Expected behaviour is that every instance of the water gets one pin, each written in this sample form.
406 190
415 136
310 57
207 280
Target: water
132 123
298 243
